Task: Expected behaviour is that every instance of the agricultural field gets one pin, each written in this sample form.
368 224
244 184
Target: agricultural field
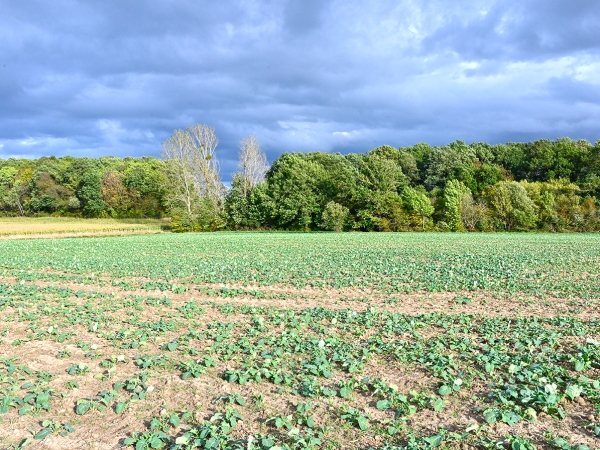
301 341
28 227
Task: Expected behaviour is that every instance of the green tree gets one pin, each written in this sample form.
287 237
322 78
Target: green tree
453 200
15 196
487 175
147 187
451 162
417 202
408 164
292 184
389 213
377 181
18 193
562 158
385 152
558 203
484 152
384 174
512 207
334 216
90 194
237 203
7 179
421 153
513 158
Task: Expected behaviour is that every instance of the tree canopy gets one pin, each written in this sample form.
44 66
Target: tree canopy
539 185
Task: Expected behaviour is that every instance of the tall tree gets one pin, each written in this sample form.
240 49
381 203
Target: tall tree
204 163
451 162
193 175
252 164
90 194
334 216
114 192
293 183
453 199
179 173
417 202
513 208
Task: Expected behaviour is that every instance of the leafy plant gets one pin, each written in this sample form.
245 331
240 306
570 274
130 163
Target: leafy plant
51 427
356 418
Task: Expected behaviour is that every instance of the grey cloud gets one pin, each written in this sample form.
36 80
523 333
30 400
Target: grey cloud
530 29
113 77
573 91
303 16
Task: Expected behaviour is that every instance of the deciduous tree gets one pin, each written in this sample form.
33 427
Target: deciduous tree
252 164
193 176
418 202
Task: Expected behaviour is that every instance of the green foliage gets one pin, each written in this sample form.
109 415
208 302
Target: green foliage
334 216
452 162
51 427
69 186
293 185
356 418
561 178
77 369
90 194
513 208
453 201
418 202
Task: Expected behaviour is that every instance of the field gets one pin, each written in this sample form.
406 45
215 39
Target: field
28 227
298 341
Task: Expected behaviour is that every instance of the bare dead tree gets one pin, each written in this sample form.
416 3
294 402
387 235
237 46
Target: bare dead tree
193 171
252 163
176 151
204 163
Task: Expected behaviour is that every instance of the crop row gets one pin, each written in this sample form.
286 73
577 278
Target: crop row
333 370
558 265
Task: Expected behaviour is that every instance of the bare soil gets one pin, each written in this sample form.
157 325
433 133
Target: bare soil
96 430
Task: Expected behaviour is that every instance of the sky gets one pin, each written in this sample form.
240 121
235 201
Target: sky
117 77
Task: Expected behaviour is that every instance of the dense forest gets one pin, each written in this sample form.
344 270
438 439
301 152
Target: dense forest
541 185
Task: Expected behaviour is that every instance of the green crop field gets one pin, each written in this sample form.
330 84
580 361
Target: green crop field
301 341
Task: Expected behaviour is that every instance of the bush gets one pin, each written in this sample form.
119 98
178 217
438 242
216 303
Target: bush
334 217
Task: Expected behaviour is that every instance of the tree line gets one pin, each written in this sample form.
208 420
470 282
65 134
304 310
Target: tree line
540 185
83 187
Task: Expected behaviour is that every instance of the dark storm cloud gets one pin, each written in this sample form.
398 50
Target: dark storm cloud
572 91
114 77
526 30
